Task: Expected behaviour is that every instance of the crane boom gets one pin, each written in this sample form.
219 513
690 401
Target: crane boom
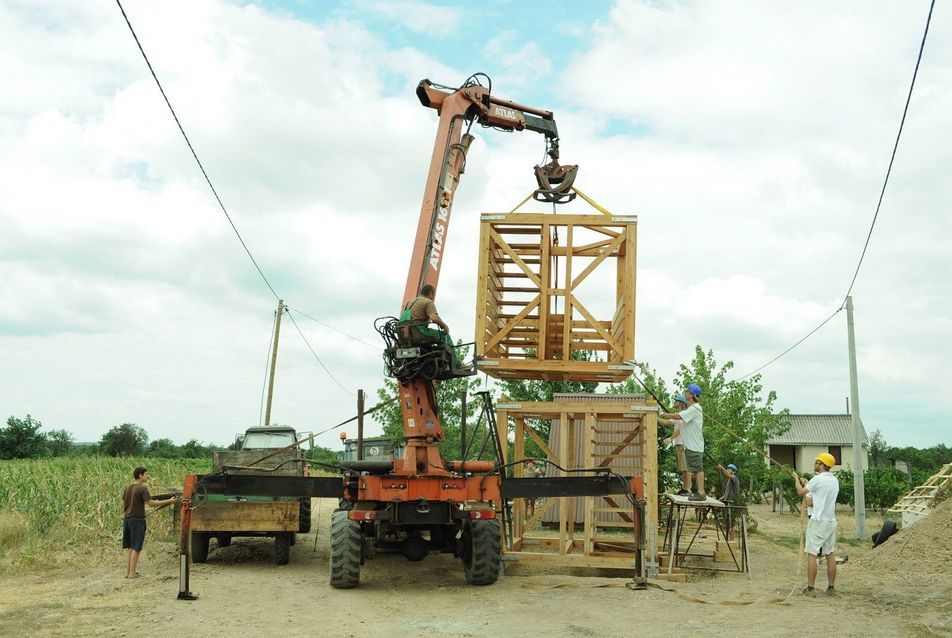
458 109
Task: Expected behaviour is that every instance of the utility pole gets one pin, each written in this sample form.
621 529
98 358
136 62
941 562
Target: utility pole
274 360
859 494
360 425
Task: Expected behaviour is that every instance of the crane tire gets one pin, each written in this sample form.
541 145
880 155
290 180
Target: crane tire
199 547
282 548
345 551
305 515
481 551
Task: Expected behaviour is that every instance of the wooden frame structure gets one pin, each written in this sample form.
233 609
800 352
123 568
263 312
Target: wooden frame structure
531 265
589 549
919 502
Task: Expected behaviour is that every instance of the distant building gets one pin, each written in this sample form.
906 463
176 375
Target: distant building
812 434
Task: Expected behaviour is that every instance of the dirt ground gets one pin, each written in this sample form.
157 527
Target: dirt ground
241 592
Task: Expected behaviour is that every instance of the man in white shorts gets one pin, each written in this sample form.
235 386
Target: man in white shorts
821 492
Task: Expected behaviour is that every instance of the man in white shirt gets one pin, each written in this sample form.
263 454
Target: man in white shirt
681 460
820 492
690 423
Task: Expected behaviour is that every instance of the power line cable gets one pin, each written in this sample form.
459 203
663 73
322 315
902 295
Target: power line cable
892 157
327 325
879 204
214 191
194 154
308 343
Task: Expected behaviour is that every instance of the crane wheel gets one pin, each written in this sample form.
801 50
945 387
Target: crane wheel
481 551
345 551
305 515
282 548
199 547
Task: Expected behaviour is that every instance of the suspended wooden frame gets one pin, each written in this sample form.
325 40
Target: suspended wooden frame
579 419
532 312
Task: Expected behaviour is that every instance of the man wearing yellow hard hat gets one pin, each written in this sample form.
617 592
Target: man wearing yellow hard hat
820 492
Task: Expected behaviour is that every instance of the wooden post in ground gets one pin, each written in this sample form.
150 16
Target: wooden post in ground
274 360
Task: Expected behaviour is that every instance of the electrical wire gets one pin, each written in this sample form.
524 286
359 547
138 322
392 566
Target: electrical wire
221 204
879 203
308 344
330 327
892 157
194 154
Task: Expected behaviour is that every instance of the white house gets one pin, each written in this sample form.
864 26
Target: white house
811 434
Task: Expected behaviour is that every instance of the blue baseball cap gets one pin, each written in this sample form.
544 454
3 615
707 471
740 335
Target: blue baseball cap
695 389
680 399
732 466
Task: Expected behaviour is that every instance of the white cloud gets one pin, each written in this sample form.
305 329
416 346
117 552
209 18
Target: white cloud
420 17
750 142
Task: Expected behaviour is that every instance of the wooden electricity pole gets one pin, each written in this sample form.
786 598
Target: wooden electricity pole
274 359
859 493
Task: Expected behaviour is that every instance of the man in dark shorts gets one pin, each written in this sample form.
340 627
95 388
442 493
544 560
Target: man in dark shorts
134 499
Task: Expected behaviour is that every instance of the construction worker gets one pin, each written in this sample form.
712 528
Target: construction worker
134 499
730 489
820 492
682 464
691 428
421 310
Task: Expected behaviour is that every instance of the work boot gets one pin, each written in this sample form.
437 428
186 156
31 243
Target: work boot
683 492
809 591
697 497
830 591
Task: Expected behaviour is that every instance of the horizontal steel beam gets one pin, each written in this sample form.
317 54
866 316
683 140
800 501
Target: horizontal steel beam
564 486
244 485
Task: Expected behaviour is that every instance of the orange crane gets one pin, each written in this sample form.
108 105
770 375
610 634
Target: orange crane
421 502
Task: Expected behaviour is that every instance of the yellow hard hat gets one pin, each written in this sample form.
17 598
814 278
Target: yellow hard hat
826 459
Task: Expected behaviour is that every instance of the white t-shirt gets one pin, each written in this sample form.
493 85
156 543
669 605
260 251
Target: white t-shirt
676 437
692 421
823 489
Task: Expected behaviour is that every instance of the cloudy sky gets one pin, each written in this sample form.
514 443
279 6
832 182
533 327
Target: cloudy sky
750 138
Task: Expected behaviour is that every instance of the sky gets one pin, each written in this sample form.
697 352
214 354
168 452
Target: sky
750 138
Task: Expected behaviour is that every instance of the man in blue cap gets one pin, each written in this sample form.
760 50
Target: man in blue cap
691 421
681 460
730 490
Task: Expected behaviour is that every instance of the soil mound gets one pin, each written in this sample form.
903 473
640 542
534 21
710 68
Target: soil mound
920 553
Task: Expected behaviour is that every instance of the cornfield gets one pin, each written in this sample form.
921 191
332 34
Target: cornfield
70 500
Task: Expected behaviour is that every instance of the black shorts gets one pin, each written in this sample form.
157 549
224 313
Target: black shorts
133 533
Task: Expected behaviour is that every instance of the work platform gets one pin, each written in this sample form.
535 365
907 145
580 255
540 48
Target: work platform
687 518
541 294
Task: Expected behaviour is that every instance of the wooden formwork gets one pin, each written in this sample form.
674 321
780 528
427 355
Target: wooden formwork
543 279
920 501
579 420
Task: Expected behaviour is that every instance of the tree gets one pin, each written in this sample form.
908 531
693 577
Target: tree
738 418
59 442
448 394
877 448
127 439
163 449
193 449
21 439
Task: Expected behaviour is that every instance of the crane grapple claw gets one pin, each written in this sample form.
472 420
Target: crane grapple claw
555 182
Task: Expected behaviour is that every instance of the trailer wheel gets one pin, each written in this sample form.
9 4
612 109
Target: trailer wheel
305 516
282 548
481 551
345 551
199 547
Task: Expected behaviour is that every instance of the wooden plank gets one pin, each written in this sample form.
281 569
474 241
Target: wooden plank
512 323
245 516
567 313
564 521
613 246
588 458
628 298
649 445
512 254
595 324
545 277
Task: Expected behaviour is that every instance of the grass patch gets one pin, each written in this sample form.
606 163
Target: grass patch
49 507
